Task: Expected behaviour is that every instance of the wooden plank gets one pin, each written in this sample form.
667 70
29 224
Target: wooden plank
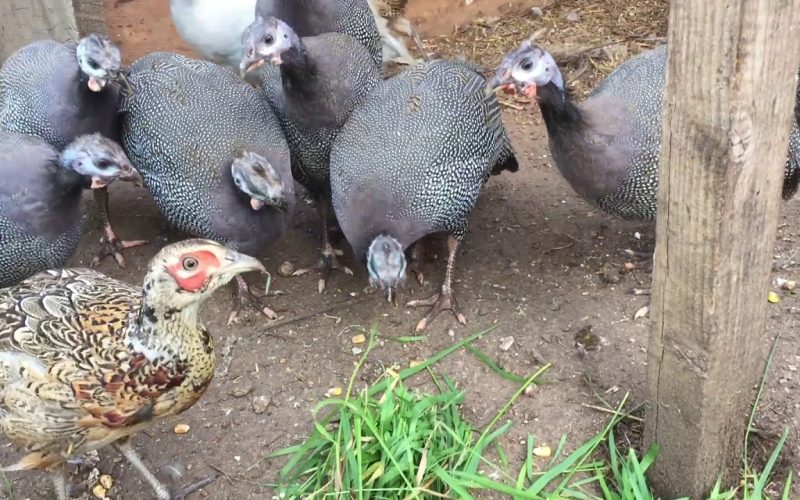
25 21
140 27
728 106
90 16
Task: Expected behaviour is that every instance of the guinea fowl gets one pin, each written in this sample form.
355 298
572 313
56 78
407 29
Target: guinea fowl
410 162
40 198
391 23
214 28
322 79
608 146
87 361
60 91
211 153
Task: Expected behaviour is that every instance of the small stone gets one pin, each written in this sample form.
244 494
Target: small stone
537 12
414 363
773 298
789 285
181 429
260 404
240 392
642 312
530 390
506 343
357 351
98 491
359 339
286 269
106 481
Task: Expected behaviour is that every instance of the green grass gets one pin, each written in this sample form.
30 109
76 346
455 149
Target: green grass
393 442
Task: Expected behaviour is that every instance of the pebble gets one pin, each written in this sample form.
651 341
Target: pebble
286 269
106 481
98 491
240 392
260 404
506 343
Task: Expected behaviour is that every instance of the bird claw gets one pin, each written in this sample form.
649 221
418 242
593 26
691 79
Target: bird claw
438 302
326 264
112 246
248 301
190 488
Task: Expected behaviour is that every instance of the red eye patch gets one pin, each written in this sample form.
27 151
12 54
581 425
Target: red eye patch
193 279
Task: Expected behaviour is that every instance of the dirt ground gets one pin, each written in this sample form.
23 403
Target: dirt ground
538 262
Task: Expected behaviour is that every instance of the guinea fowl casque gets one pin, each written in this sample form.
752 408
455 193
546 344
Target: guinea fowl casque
40 198
410 162
60 91
322 79
87 361
608 146
211 153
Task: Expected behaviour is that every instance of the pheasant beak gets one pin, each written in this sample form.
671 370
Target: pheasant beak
236 263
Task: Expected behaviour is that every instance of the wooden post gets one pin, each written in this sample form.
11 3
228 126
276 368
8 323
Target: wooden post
728 105
90 16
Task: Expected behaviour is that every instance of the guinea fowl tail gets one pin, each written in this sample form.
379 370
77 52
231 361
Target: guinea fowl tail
791 179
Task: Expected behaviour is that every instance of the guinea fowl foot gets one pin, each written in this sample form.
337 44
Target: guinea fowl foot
328 262
110 245
438 302
190 488
246 300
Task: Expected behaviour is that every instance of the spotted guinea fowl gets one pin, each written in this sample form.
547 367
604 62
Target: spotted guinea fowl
410 162
40 198
322 79
87 361
608 146
211 153
60 91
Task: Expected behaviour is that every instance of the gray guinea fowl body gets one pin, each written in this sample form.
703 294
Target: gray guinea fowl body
43 93
182 127
315 17
413 156
315 95
40 208
608 146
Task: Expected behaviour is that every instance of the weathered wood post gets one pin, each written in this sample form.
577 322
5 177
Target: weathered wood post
728 105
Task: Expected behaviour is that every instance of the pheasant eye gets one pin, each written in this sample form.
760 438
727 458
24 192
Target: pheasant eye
526 65
269 39
190 263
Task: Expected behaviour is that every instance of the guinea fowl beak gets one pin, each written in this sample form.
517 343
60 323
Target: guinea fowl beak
236 263
247 65
123 82
502 80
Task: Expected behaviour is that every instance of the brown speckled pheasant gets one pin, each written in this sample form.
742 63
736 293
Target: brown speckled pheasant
87 361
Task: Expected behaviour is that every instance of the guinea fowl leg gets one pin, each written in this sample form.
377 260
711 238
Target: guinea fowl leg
328 261
246 299
415 258
126 450
109 243
444 299
58 475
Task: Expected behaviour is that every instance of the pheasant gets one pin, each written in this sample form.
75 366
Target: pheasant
87 361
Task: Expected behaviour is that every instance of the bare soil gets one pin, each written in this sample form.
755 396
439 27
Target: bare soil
539 263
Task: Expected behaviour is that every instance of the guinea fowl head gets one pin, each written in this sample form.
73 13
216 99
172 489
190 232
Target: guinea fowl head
525 69
101 62
99 158
386 264
183 275
267 40
258 179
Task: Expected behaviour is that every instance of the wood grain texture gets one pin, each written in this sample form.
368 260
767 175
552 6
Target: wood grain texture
728 106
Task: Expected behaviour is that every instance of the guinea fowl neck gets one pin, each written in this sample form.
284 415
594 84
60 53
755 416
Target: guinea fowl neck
297 70
559 112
